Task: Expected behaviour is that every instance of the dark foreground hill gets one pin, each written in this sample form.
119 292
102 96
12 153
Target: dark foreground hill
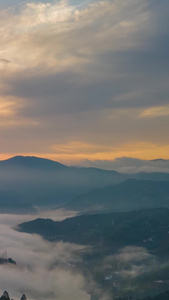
126 254
125 196
111 231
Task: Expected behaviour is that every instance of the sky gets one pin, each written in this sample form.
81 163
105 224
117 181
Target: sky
84 80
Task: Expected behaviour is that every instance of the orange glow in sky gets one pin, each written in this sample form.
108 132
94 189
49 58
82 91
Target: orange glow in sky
83 82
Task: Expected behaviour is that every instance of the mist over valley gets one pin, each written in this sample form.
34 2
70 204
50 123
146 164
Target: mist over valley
111 241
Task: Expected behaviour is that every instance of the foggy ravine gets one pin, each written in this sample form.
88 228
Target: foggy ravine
44 270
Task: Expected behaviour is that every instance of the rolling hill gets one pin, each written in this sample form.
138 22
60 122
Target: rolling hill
26 182
148 228
35 181
125 196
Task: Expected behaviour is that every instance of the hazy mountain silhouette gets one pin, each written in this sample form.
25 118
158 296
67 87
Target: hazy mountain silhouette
125 196
31 162
30 181
43 182
11 201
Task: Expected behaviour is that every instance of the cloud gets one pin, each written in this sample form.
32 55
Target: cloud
129 270
5 61
6 108
156 111
54 270
130 165
43 269
92 75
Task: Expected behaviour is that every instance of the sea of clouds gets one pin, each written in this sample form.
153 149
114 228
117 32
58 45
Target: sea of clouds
52 270
130 165
44 270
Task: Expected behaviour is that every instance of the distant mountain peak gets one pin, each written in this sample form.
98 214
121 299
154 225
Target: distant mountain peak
159 160
31 161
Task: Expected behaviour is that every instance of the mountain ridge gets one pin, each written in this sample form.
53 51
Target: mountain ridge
31 161
124 196
45 183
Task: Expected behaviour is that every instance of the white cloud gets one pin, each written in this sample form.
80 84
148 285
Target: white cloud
43 269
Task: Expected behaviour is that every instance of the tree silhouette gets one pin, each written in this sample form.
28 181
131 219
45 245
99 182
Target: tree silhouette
5 296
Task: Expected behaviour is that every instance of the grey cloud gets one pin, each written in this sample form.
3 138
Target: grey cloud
4 60
106 131
85 72
140 65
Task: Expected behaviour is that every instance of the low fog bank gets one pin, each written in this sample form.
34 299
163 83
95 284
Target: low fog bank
129 165
57 270
44 270
131 272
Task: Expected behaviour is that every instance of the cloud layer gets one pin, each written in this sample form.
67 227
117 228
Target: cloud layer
44 270
130 165
55 270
